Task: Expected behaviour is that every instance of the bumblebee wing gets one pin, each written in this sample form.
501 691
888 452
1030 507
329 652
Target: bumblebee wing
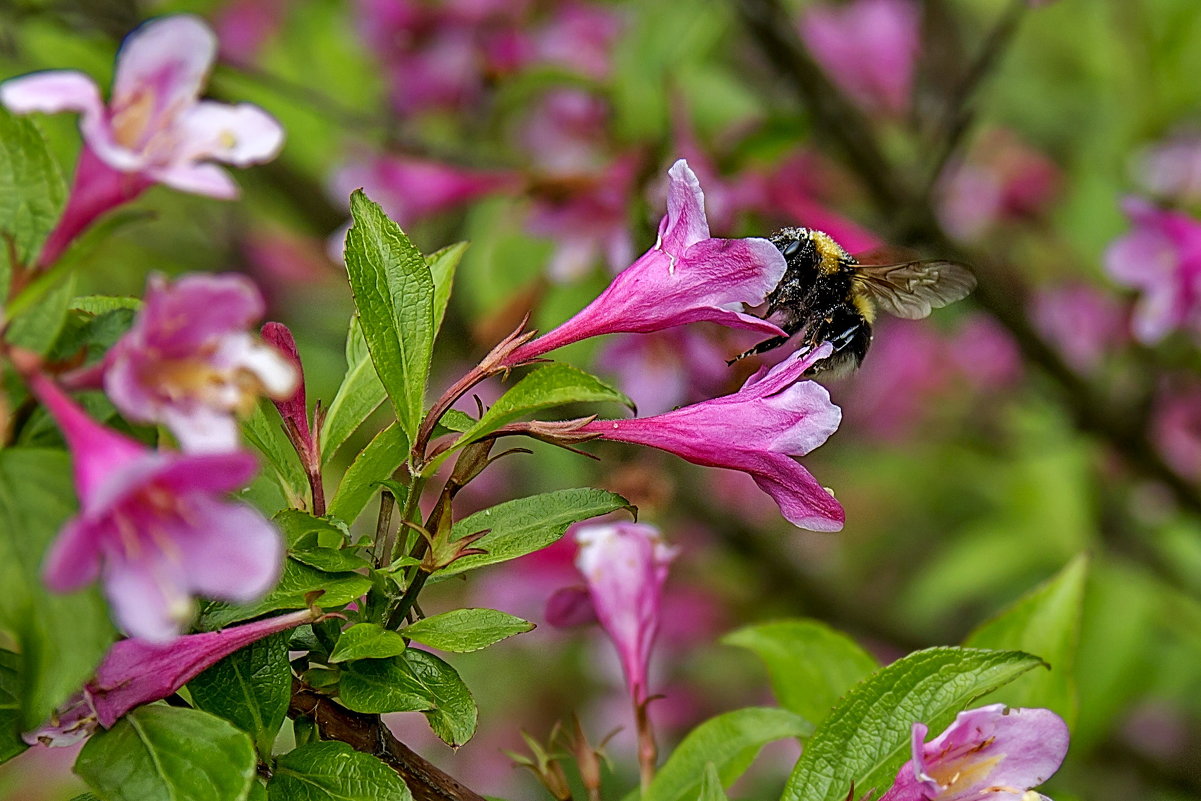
911 289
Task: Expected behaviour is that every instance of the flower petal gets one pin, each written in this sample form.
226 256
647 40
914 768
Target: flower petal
199 179
51 92
74 557
200 429
802 500
230 550
685 223
240 135
169 58
148 596
210 472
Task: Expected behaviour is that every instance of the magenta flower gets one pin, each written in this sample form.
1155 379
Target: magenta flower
1085 323
190 363
666 369
1171 168
1161 257
580 37
686 277
757 430
867 47
153 526
135 672
625 565
992 753
154 129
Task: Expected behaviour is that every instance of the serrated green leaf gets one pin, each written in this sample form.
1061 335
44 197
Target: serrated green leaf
297 581
1044 622
334 771
375 463
522 526
11 743
359 394
330 560
729 742
867 738
416 681
443 264
367 641
453 421
302 530
164 752
810 665
263 430
32 191
250 688
553 385
61 638
394 293
465 630
711 789
39 326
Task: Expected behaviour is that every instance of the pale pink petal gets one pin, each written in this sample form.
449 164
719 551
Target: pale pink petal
199 179
802 500
230 550
241 135
685 223
277 375
74 556
169 58
51 92
200 429
149 597
210 472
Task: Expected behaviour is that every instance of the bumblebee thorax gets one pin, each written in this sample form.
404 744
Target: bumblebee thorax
832 257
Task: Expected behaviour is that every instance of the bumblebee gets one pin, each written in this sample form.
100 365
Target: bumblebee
832 296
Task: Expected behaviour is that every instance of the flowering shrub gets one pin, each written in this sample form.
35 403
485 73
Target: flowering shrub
287 498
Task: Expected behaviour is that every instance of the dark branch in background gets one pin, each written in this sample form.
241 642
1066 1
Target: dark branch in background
1000 292
367 733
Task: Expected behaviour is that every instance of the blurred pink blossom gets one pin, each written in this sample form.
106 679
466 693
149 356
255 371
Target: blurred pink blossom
190 362
1171 168
1176 426
991 752
244 26
154 527
580 37
136 672
867 47
686 277
1161 258
1001 179
565 132
1082 321
665 369
154 129
793 193
985 354
756 430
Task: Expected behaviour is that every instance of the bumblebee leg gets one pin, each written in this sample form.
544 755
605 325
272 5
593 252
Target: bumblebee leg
762 347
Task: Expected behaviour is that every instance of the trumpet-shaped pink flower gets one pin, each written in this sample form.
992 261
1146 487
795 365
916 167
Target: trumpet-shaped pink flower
136 672
153 526
757 430
686 277
867 47
190 363
1161 257
988 754
155 129
625 565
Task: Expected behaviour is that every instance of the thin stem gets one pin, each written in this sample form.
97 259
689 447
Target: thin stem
383 529
441 406
648 751
317 488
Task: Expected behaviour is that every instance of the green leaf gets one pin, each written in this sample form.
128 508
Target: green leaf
1045 622
417 681
525 525
375 463
442 264
394 293
264 430
810 664
330 560
61 638
164 752
297 581
453 421
729 742
711 789
103 304
367 641
334 771
866 739
302 530
250 688
463 630
553 385
39 326
11 743
32 191
359 394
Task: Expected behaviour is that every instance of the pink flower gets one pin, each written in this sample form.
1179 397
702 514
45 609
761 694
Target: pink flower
1161 257
757 430
662 370
1171 169
686 277
792 192
154 129
1176 425
136 672
190 363
154 527
294 410
244 26
1084 322
411 189
580 37
625 565
867 47
991 753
